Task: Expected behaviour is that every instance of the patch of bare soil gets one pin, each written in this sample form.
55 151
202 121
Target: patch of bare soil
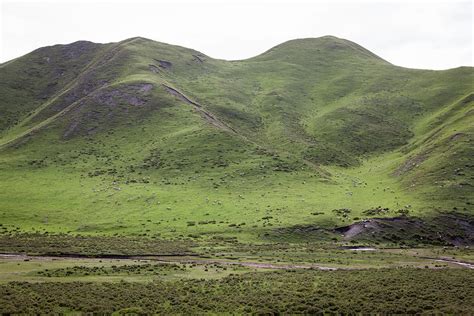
358 228
457 136
453 229
410 164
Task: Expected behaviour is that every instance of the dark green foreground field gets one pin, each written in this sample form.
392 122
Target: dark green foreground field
411 291
118 157
123 275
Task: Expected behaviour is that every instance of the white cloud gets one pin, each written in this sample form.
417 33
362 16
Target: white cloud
418 34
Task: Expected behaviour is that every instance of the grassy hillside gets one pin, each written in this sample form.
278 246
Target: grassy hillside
145 138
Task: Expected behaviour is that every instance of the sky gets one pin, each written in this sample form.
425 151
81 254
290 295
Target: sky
416 34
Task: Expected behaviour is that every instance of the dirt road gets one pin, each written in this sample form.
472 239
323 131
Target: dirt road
205 261
171 260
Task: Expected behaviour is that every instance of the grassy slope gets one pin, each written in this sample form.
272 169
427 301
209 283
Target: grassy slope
318 124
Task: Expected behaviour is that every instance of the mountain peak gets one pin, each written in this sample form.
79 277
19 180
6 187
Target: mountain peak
108 137
327 46
137 38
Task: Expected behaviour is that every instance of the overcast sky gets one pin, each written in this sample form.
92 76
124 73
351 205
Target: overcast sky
416 34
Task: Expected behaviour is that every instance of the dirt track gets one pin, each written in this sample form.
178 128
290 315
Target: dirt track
188 260
170 260
465 264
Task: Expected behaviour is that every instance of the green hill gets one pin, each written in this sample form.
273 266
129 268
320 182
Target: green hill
145 138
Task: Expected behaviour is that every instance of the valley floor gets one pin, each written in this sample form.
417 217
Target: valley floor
140 177
265 278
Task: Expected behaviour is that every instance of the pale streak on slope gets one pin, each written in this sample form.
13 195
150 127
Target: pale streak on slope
223 126
210 118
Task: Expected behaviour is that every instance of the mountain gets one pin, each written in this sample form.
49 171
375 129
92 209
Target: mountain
141 137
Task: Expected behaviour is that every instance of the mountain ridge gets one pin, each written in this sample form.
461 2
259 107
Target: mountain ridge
140 113
314 39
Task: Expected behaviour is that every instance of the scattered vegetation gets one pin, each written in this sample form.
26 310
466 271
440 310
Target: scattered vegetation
64 244
384 291
140 269
143 148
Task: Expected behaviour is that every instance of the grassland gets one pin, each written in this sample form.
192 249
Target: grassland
111 151
142 148
367 291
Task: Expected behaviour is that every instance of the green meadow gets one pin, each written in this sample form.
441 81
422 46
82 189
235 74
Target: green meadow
274 169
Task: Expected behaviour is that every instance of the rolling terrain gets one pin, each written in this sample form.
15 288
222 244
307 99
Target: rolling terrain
316 177
141 137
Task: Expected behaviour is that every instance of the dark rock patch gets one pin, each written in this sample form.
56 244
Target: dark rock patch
105 104
450 229
198 59
457 136
131 94
164 63
154 68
